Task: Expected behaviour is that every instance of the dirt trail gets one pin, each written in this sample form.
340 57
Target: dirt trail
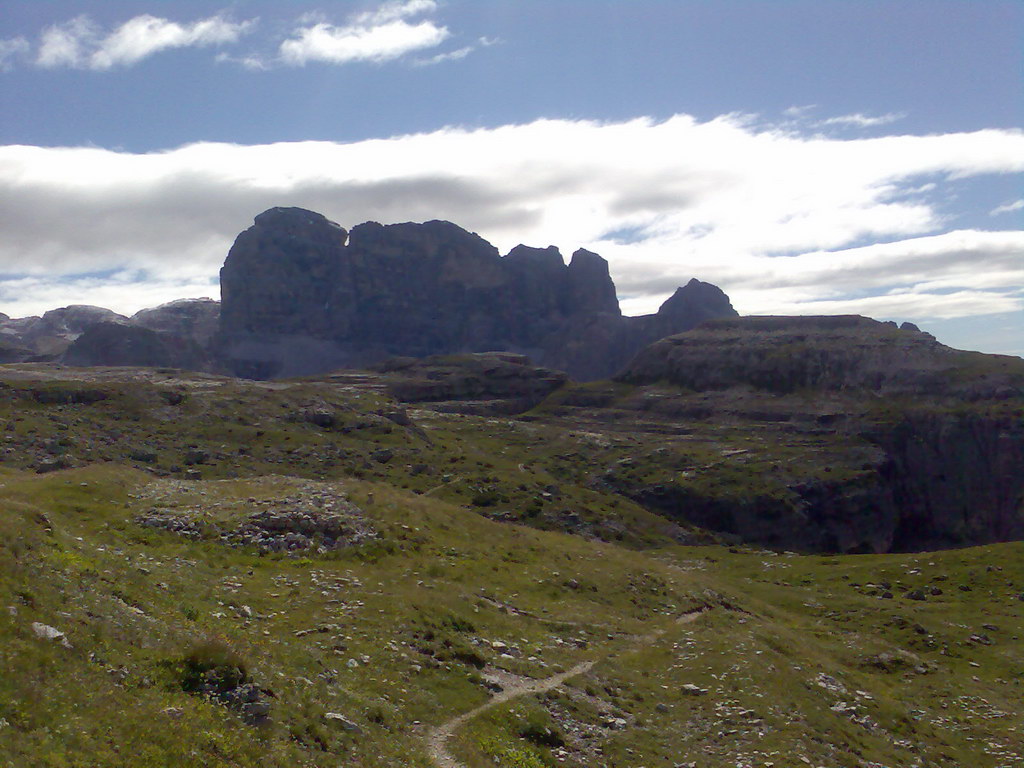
453 481
437 738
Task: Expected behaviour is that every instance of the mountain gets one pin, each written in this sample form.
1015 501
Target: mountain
301 295
195 319
50 335
125 344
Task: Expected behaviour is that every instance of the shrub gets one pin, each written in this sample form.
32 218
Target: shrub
213 667
538 729
511 756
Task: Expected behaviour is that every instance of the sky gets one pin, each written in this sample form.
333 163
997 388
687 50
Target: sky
807 156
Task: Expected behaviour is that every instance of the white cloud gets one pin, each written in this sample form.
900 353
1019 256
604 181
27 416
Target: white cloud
1016 205
784 222
145 35
456 55
382 34
377 36
863 121
394 11
798 111
80 44
67 44
10 49
124 292
954 274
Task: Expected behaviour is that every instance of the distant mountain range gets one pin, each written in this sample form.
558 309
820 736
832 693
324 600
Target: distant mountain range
301 296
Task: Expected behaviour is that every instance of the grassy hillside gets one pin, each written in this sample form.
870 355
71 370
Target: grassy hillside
154 540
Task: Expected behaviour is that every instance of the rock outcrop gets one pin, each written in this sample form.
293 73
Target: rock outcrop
921 445
122 344
480 383
196 319
832 353
302 295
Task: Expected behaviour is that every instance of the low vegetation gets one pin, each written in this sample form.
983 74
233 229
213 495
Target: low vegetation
125 643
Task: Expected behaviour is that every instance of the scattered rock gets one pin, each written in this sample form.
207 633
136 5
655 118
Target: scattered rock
339 719
46 632
196 456
320 417
382 455
67 461
313 520
829 683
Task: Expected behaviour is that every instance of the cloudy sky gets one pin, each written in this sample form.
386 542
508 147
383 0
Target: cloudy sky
808 156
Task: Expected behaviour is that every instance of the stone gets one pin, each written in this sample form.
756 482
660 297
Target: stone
693 690
339 719
196 456
320 417
46 632
382 455
255 712
55 464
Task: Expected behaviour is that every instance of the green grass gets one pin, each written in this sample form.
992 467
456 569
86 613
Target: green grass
401 633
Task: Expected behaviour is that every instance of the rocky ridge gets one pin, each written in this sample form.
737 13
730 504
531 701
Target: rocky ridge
177 334
301 294
929 448
833 353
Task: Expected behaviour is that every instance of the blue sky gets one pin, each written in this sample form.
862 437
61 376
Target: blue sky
809 157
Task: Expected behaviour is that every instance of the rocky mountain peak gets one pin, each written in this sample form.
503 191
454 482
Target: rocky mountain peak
293 221
590 284
546 260
698 301
302 295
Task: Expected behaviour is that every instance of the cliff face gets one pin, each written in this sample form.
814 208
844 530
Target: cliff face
956 478
787 354
302 295
925 448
